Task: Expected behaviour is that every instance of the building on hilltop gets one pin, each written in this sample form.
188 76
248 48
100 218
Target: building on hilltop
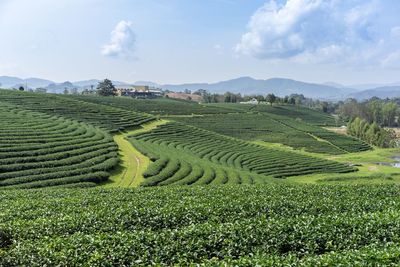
138 91
252 101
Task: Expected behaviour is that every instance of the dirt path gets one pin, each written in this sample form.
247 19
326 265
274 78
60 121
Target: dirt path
133 163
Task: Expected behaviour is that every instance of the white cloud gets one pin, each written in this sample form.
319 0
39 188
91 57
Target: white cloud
122 42
339 31
395 32
392 60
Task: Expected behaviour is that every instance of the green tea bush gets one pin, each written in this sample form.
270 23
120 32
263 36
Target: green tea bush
223 159
39 150
272 225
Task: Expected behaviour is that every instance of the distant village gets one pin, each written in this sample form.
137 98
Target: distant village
143 92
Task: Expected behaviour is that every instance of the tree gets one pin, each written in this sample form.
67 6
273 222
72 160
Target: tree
371 133
260 98
375 109
74 91
389 111
324 106
270 98
231 97
66 92
21 88
105 88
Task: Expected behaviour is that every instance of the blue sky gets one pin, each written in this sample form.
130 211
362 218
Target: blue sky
176 41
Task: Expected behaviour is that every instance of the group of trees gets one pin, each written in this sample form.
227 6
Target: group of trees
229 97
382 112
106 88
73 91
371 133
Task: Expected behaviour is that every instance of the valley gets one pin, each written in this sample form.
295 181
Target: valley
105 181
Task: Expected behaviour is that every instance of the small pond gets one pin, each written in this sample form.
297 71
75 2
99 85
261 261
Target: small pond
395 164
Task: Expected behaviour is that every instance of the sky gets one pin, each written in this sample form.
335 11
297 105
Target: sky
181 41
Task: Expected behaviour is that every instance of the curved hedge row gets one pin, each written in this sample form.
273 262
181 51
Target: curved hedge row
205 157
107 117
159 106
172 166
38 150
252 126
278 129
344 142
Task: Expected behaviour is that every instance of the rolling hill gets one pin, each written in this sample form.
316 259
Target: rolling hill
381 92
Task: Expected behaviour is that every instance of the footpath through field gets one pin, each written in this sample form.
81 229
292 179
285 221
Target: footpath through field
133 163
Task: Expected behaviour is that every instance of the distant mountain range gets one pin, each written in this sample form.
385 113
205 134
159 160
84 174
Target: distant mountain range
381 92
51 86
243 85
9 82
277 86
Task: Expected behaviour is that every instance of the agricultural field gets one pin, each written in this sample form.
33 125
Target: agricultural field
158 106
299 113
277 129
109 118
209 185
180 139
39 150
231 225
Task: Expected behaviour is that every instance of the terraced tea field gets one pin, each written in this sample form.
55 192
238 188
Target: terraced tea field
179 154
183 140
39 150
299 113
277 129
213 187
109 118
158 106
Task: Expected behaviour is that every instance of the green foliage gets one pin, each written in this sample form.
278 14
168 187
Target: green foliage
222 159
158 106
105 88
260 127
273 128
382 112
232 98
266 225
270 98
5 240
307 115
371 133
109 118
38 150
389 111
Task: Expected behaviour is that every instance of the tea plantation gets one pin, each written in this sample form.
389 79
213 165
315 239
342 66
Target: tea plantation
216 186
265 225
39 150
158 106
109 118
179 140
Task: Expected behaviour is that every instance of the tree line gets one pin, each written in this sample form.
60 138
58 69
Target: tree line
229 97
371 133
383 112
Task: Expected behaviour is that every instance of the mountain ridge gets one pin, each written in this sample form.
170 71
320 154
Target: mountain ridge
245 85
